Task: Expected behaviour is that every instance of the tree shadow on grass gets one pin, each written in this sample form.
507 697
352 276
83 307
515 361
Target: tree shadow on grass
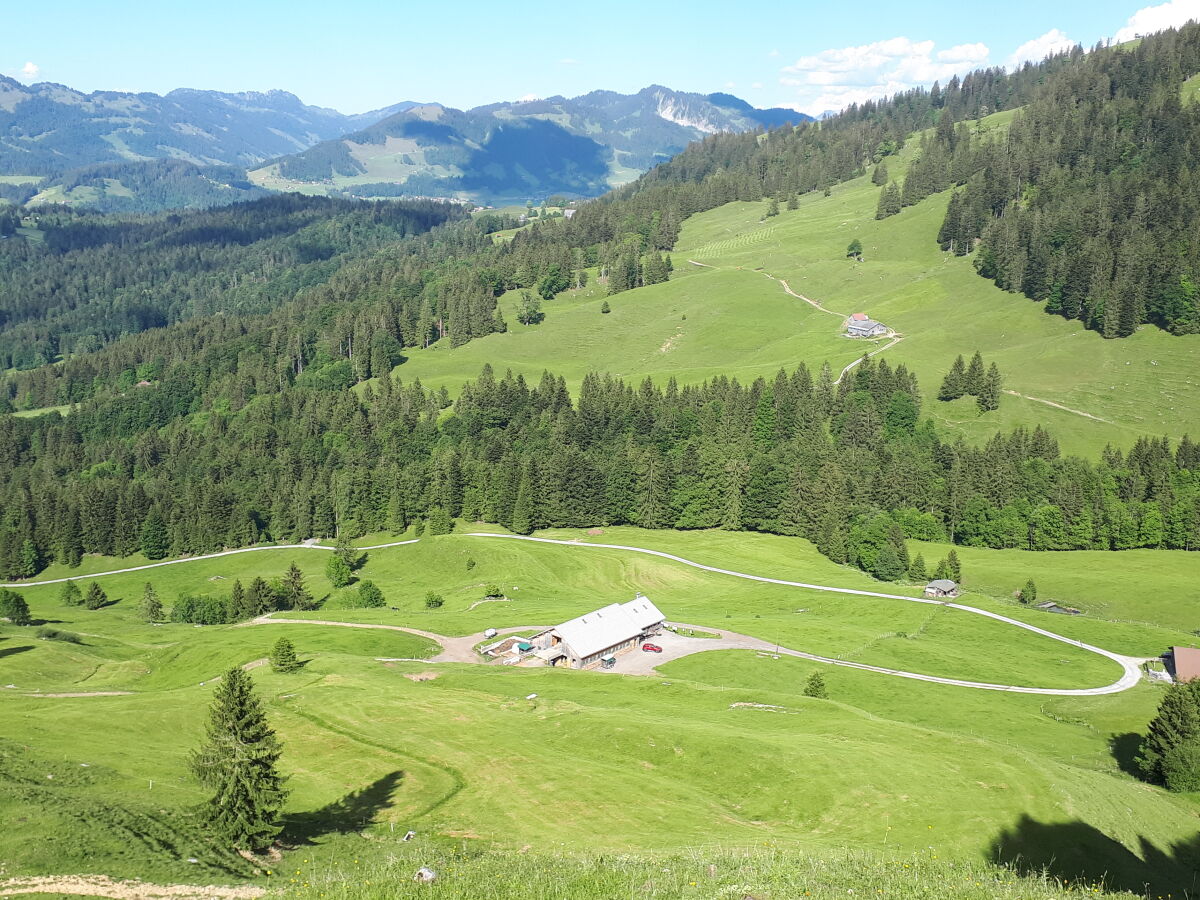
13 651
1078 852
1125 749
352 813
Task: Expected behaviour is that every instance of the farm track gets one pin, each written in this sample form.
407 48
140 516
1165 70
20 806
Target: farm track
103 886
894 337
461 649
1078 412
1132 674
308 545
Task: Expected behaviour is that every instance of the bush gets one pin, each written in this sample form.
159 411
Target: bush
369 595
1181 767
13 607
815 687
433 601
53 634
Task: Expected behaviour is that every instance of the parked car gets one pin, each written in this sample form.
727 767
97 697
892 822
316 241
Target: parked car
652 648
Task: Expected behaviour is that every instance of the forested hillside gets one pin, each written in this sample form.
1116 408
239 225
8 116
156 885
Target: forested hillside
92 279
852 468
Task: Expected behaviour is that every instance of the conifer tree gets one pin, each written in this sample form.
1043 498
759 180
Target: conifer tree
916 571
155 541
953 565
941 571
152 609
605 308
369 595
988 397
522 514
879 176
973 383
1176 723
95 596
889 201
815 687
239 604
295 594
70 595
13 607
772 208
855 249
439 520
31 560
954 384
239 763
337 571
260 599
283 657
793 202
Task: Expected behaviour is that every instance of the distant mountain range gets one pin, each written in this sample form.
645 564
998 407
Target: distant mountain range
580 146
107 149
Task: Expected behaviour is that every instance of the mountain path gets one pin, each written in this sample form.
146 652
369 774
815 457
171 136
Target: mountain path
103 886
1078 412
895 338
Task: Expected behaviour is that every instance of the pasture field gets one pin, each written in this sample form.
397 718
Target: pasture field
727 317
720 751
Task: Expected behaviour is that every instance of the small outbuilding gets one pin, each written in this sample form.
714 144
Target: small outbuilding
941 587
1185 663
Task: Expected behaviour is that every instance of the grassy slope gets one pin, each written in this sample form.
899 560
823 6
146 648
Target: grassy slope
597 761
741 323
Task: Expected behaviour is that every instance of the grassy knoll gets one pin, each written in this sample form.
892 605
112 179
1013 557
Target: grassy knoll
741 323
720 752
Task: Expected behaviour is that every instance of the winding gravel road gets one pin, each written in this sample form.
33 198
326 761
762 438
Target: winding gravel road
1132 665
460 649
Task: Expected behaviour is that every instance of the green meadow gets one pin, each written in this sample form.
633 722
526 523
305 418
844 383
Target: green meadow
721 752
727 317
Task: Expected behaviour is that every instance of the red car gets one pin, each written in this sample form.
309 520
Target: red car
652 648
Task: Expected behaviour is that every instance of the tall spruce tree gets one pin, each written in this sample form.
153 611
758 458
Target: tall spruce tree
954 384
155 540
239 763
889 201
295 594
1176 723
973 383
988 397
815 687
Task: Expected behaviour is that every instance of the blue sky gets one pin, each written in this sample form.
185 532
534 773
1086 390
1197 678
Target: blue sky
357 55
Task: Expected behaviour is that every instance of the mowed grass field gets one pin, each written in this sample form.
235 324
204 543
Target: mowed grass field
721 750
732 319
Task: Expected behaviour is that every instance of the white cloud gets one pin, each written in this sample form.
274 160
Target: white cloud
568 62
1155 18
730 85
833 79
29 71
773 53
757 86
1053 41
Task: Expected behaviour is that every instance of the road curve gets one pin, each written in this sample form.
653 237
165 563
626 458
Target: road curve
187 559
1131 665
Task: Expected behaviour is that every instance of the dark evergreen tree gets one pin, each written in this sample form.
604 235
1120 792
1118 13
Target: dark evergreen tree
954 385
1176 724
916 571
95 597
973 381
1028 594
155 541
815 687
988 397
283 657
889 201
239 763
954 567
879 175
294 594
855 250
